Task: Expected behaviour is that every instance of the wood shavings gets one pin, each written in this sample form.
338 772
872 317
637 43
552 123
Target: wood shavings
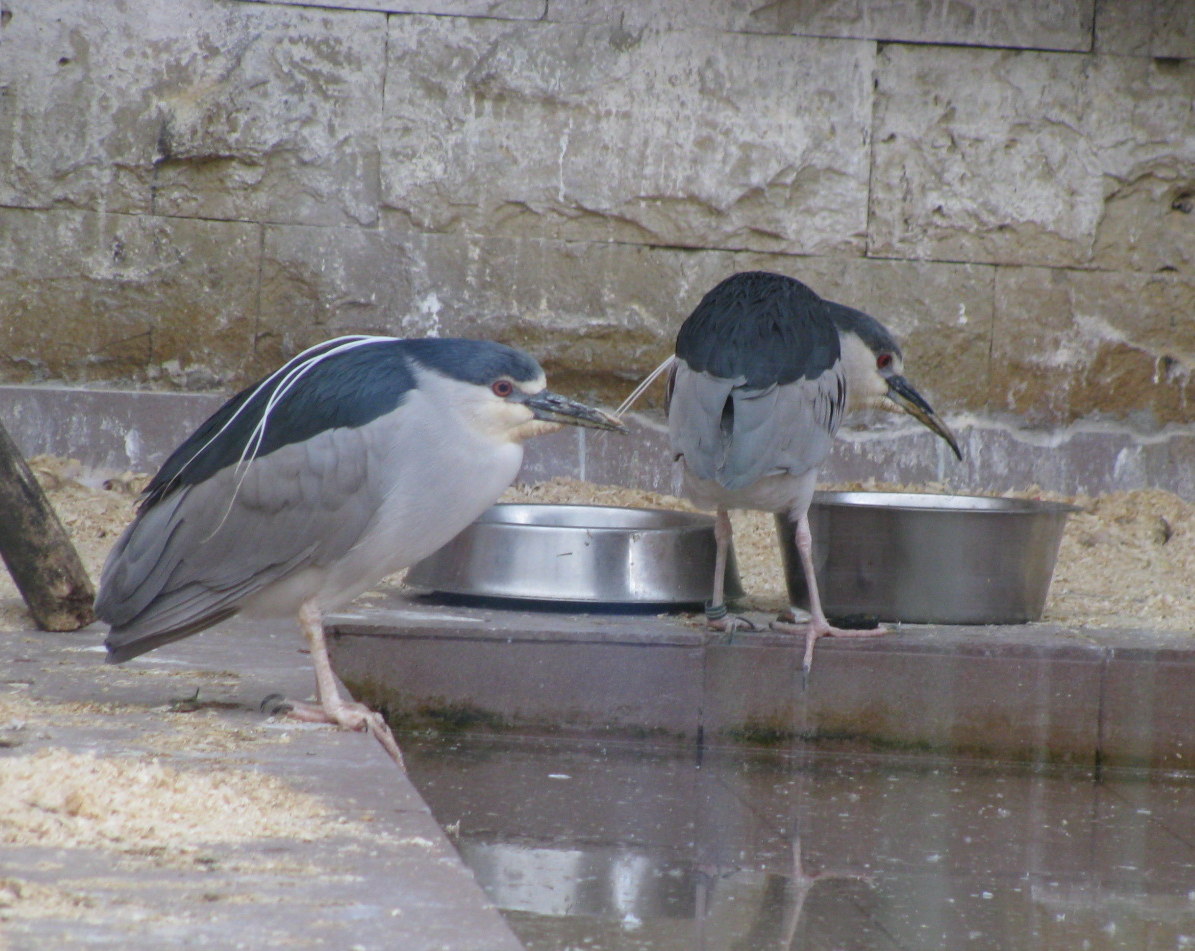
561 491
58 799
182 729
1125 560
206 732
24 899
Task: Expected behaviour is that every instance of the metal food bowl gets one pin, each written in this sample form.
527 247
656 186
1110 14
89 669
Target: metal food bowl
931 559
595 554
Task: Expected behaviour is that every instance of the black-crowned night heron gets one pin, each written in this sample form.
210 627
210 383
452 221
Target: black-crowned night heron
357 458
764 371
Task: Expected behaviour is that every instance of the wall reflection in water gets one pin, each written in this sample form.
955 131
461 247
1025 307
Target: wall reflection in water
621 848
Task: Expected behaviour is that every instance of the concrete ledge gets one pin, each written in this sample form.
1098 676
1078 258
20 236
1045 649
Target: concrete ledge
385 876
104 429
1030 693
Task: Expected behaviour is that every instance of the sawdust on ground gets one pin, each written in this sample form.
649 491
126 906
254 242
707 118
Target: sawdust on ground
141 811
186 724
59 799
1126 559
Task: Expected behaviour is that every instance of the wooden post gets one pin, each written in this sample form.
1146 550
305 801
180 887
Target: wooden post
37 550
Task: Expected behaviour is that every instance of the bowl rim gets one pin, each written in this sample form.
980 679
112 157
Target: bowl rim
890 501
676 519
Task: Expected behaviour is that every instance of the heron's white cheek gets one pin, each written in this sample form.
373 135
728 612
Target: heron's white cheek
500 420
865 387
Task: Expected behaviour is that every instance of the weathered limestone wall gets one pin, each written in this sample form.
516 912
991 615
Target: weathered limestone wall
191 190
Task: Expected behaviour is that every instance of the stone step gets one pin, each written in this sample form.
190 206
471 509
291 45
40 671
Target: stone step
1037 693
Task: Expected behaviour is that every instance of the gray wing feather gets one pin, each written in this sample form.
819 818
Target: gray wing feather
190 559
694 419
786 428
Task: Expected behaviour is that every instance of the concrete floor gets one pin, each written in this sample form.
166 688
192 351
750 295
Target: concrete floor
398 884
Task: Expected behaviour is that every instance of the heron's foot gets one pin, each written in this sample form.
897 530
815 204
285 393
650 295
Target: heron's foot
785 624
811 631
719 618
346 715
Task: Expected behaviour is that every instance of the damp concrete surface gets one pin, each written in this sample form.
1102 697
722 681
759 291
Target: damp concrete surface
614 847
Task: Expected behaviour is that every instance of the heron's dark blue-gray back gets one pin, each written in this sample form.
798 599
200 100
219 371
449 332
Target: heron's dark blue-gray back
346 382
760 328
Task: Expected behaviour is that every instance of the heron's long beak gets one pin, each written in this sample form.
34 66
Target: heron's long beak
554 408
901 392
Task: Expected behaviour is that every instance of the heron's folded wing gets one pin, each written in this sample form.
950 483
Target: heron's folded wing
695 408
787 428
736 435
193 556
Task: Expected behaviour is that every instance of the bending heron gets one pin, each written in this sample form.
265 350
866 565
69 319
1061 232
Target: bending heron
763 372
357 458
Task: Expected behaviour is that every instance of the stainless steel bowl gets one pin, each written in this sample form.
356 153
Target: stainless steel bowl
579 553
935 559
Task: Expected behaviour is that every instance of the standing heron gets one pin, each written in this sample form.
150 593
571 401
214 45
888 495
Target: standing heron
357 458
764 371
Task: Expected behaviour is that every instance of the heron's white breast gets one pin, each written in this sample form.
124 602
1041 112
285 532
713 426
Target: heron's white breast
433 477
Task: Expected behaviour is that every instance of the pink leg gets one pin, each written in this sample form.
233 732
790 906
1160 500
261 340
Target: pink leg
331 708
716 615
723 532
818 626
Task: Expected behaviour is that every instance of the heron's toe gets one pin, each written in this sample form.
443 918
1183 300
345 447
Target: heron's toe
276 705
353 716
348 716
357 716
726 623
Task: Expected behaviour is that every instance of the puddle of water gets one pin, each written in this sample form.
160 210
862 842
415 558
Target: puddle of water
620 848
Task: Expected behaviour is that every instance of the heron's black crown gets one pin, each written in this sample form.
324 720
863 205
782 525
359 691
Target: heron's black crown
765 329
349 381
873 334
473 361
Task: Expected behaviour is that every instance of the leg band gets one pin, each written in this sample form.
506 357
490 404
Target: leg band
715 612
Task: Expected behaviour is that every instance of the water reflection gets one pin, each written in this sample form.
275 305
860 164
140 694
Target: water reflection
626 849
616 885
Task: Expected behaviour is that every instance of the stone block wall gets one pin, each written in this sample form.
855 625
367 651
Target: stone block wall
193 190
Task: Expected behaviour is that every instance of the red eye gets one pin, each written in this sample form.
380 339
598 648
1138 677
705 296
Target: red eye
503 388
883 361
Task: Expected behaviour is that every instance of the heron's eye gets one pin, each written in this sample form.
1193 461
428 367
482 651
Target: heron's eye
503 388
883 361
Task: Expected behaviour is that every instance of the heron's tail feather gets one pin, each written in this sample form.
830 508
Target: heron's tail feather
125 643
